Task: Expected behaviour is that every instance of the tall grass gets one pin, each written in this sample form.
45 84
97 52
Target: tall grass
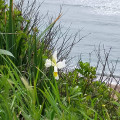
22 98
29 91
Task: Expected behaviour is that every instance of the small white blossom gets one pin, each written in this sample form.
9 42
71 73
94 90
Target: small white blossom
57 65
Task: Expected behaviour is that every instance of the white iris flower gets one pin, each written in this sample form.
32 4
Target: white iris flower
57 65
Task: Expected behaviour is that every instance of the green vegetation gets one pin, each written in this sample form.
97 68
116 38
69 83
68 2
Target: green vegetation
28 90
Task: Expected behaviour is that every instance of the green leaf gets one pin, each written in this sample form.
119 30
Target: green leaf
5 52
116 103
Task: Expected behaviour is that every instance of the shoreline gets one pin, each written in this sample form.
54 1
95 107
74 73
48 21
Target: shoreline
108 79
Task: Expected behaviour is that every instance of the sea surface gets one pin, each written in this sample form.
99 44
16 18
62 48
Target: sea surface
98 18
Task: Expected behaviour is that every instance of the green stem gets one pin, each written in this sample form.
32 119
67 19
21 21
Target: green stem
10 40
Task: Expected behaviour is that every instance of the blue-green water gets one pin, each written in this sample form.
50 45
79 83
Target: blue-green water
100 18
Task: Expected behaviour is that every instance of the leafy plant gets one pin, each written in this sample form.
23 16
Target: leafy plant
29 91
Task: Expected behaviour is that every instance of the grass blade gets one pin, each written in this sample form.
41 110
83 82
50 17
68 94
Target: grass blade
5 52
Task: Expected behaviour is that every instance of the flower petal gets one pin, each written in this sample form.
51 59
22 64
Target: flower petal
54 57
48 63
61 64
57 77
55 69
55 73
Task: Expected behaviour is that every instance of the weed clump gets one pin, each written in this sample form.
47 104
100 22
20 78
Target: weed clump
28 90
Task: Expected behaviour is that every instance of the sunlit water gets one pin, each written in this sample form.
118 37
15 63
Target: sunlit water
100 18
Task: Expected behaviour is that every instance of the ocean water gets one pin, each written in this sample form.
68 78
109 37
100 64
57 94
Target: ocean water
100 6
98 18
